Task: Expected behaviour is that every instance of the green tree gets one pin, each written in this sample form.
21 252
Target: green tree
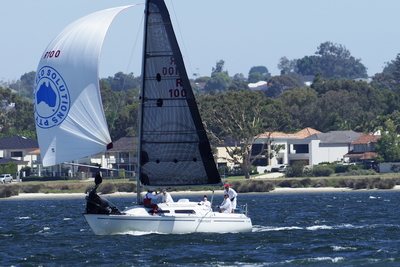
202 79
334 61
396 69
24 86
388 146
11 168
287 66
238 86
218 83
219 67
261 70
384 81
255 77
279 84
126 123
258 73
123 82
389 67
239 77
298 109
390 76
16 115
233 120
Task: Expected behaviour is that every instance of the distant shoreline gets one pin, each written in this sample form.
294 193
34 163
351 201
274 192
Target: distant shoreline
280 190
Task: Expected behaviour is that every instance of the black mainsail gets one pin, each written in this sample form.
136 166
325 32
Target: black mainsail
173 146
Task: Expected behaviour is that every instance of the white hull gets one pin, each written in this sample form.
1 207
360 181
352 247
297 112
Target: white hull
178 220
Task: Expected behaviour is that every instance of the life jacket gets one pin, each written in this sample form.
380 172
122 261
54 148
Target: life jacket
147 200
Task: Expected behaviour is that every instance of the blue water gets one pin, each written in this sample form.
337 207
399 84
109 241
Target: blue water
314 229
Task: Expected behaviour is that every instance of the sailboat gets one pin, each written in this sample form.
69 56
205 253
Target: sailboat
173 148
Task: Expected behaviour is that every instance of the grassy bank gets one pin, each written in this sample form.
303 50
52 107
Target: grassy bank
240 184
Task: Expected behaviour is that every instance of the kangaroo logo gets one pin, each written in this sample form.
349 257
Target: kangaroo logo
52 101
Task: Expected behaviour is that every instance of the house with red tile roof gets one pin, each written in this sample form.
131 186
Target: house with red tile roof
363 149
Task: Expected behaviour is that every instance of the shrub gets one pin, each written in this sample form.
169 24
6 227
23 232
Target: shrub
341 168
359 172
107 188
385 184
322 171
31 188
65 187
320 183
253 186
262 186
356 167
296 170
285 183
244 188
5 192
360 184
126 187
256 186
15 189
8 191
305 182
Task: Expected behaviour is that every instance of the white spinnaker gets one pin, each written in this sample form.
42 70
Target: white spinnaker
75 126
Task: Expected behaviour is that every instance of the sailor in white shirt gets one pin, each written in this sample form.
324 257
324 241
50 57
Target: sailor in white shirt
166 198
232 196
225 206
206 203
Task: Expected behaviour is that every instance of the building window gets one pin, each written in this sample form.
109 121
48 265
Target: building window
16 154
261 162
300 149
256 149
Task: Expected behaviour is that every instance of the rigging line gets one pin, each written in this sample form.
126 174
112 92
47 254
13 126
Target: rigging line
182 39
134 48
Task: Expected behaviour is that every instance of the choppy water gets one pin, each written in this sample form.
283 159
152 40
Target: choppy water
314 229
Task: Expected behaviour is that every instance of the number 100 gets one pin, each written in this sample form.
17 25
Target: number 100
177 93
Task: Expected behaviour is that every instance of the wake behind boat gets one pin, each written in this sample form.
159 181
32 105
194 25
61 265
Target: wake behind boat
173 148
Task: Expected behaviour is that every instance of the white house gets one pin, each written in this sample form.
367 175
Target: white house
292 148
308 145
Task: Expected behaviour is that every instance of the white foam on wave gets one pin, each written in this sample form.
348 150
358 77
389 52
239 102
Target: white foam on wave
24 218
346 225
260 228
319 227
335 259
339 248
138 233
319 259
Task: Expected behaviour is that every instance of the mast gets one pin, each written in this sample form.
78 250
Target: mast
146 15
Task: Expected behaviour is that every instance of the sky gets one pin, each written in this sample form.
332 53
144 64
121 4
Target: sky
243 33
